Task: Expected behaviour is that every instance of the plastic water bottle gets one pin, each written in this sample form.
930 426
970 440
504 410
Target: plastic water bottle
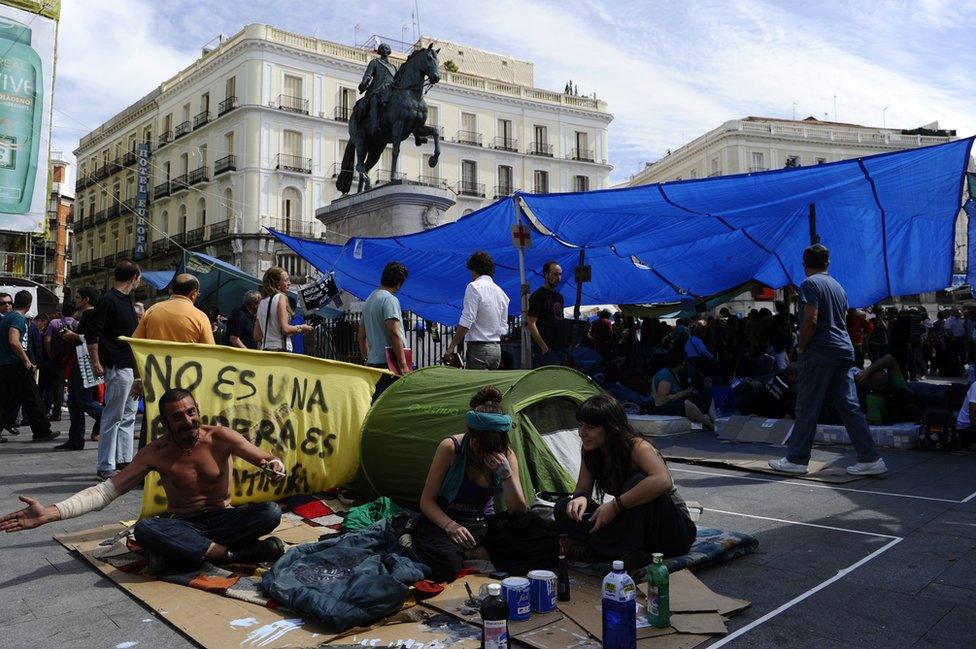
619 609
658 598
494 618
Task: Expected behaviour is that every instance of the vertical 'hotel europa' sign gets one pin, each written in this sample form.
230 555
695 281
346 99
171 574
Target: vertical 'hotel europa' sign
142 199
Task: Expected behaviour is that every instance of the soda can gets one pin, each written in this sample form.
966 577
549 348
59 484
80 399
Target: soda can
516 591
542 591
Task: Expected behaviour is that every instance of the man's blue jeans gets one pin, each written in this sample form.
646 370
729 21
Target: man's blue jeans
822 378
80 402
185 538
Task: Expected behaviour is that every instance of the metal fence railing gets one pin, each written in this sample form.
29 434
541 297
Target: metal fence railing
337 339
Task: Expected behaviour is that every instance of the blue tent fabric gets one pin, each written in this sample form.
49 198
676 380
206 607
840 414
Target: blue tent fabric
888 220
158 279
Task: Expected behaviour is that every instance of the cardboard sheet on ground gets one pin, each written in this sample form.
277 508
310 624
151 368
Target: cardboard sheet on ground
439 632
752 460
763 430
688 594
709 623
208 619
454 600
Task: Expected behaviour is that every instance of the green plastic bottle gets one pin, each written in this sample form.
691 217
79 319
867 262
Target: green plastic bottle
21 108
658 599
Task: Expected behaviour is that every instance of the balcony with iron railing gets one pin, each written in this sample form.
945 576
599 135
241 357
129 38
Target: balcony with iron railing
501 191
179 184
103 171
292 226
540 148
113 210
100 216
128 206
129 159
80 268
181 129
81 183
227 163
226 105
199 175
505 144
108 261
386 177
430 181
342 113
293 104
293 163
195 236
201 119
468 188
161 190
178 239
757 168
161 246
164 138
468 137
582 155
115 166
218 230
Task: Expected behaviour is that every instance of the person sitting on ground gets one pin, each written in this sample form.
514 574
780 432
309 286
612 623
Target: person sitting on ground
466 474
888 399
195 464
771 396
644 513
672 398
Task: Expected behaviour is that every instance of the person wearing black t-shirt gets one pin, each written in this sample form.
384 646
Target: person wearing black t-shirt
545 319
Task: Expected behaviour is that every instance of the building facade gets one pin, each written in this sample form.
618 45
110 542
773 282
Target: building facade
251 134
44 258
755 144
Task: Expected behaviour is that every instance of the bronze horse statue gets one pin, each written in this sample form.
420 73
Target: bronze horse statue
405 114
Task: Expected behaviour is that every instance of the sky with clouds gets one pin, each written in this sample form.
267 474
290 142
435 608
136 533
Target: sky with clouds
669 70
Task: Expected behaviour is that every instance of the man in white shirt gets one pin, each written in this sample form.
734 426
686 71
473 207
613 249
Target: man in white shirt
484 317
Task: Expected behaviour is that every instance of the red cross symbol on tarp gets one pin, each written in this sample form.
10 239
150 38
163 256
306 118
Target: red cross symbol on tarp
521 236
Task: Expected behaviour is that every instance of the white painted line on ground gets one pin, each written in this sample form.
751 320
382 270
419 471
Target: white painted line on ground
968 498
893 541
822 486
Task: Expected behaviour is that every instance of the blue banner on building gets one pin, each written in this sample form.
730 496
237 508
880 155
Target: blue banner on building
142 201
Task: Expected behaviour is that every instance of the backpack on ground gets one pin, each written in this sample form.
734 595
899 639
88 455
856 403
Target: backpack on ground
938 431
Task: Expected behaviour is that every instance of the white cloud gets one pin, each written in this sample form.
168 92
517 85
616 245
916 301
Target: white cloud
108 57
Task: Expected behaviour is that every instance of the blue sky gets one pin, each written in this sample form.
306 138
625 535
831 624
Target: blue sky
669 71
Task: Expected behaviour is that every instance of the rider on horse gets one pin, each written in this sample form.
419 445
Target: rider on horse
377 83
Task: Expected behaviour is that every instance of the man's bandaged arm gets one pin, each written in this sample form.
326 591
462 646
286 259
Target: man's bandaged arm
91 499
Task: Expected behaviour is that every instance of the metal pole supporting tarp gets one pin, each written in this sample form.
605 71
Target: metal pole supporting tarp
526 356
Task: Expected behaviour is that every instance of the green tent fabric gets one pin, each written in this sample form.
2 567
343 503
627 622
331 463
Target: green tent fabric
414 414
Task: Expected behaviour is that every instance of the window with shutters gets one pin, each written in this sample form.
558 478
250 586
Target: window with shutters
581 183
293 86
540 184
293 143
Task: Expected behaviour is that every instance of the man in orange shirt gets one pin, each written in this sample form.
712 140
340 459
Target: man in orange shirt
177 319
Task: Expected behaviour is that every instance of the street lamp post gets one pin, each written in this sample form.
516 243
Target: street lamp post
884 122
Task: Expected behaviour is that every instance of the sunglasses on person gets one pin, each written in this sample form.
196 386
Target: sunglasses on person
5 302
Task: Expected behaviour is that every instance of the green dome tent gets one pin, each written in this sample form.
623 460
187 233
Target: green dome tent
413 415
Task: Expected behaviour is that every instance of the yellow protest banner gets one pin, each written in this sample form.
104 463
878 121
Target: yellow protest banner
307 411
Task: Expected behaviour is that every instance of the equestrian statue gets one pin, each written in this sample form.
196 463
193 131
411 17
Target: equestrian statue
391 109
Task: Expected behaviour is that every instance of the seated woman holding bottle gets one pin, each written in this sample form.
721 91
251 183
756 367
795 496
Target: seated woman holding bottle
637 510
458 502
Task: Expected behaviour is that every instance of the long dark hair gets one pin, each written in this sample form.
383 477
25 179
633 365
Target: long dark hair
609 466
487 399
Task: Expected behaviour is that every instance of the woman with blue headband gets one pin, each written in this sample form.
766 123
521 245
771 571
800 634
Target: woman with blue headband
466 475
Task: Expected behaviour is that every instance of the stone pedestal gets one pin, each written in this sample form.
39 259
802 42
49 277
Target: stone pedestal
390 210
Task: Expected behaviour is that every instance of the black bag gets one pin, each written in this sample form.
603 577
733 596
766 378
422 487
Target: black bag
938 431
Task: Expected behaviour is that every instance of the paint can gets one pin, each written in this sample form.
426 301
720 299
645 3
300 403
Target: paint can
516 592
542 591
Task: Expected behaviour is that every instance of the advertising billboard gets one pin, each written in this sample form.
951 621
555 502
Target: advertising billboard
27 45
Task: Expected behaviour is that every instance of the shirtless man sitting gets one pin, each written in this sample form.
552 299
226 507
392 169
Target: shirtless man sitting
195 463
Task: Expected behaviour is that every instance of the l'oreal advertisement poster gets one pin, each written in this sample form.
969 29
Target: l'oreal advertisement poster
27 43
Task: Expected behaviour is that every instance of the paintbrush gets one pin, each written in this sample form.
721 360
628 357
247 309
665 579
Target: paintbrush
471 598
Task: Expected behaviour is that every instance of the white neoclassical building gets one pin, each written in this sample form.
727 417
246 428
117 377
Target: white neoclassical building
249 136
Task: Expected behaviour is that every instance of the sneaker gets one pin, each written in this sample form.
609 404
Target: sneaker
266 550
68 446
105 475
878 467
43 438
12 431
785 466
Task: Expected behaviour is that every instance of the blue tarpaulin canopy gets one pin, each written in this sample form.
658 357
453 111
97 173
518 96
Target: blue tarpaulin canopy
888 220
222 285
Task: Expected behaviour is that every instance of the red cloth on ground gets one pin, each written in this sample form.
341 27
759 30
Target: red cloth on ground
313 509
